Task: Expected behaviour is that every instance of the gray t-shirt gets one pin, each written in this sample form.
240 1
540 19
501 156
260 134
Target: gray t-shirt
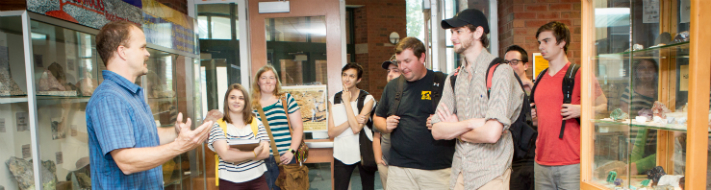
384 145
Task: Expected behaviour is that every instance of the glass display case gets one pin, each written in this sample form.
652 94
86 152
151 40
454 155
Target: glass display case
64 68
640 54
15 143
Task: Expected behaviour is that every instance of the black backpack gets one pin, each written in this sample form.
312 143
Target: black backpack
437 87
568 85
366 145
522 131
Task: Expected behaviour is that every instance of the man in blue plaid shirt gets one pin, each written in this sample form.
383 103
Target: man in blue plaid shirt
126 148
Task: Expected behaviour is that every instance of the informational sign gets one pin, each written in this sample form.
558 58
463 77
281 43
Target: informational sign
2 125
684 78
650 11
163 25
685 10
539 64
313 103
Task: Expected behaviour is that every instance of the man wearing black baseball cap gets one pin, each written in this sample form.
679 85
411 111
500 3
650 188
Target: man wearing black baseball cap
391 67
381 141
484 150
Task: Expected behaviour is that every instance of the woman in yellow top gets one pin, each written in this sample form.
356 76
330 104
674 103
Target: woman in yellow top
239 169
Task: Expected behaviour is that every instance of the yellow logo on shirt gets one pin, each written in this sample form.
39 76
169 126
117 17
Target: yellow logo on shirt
426 95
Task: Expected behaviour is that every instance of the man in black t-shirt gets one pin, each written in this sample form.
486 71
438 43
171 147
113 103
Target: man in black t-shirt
417 161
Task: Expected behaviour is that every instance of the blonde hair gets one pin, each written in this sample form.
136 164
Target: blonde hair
247 109
257 91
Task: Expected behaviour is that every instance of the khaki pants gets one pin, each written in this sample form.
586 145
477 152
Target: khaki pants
383 170
410 178
501 182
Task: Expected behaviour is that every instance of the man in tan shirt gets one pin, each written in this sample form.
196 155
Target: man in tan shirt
484 151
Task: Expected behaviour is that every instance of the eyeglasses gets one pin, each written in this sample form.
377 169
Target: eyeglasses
513 61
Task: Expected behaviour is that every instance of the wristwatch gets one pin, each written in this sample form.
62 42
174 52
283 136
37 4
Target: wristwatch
292 151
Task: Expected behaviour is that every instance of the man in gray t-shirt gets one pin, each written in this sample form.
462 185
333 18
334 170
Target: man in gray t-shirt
381 141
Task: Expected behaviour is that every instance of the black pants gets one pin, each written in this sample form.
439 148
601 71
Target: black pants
342 175
522 177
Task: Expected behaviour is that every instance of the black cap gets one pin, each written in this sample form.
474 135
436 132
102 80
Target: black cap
470 16
387 63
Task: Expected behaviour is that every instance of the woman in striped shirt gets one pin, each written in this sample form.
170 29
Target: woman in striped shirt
645 73
266 93
239 169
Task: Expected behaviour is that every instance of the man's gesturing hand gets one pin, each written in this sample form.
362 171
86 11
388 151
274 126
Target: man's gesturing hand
190 139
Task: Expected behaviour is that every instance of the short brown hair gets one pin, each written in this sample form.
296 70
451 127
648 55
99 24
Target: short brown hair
418 48
111 36
246 112
484 39
560 31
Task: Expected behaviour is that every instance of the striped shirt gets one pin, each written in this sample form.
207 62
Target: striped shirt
639 102
480 163
243 171
277 122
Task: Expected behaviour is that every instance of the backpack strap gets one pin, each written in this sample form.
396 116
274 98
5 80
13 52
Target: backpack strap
222 125
275 151
535 84
490 73
361 99
568 85
437 87
337 98
255 126
398 95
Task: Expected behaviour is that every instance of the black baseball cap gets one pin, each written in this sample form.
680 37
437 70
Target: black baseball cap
470 16
387 63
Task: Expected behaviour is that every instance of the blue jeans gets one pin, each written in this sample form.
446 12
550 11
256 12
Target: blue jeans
273 171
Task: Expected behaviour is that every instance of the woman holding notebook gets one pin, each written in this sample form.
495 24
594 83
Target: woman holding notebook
349 111
241 144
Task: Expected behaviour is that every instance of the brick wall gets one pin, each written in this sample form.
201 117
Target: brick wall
178 5
520 19
373 23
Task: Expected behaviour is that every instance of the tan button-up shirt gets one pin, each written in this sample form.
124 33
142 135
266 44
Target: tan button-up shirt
482 162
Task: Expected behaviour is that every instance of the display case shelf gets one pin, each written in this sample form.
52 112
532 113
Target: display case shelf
641 53
668 127
62 99
13 99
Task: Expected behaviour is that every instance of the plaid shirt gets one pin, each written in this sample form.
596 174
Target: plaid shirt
117 117
480 163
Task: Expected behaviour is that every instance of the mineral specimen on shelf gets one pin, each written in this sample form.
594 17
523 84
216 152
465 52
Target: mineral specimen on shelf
655 173
646 113
618 182
81 176
658 119
659 109
22 171
672 180
618 114
87 86
8 87
617 166
670 120
24 175
682 37
681 120
49 83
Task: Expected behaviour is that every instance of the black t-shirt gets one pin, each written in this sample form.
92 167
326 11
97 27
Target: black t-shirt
412 143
